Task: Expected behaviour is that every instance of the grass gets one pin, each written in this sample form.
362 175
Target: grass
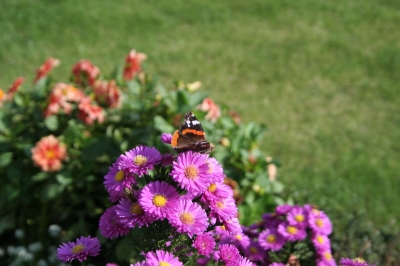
323 75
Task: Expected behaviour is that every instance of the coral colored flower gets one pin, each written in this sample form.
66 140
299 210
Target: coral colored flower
204 244
45 69
189 217
84 68
159 199
140 160
270 239
48 154
190 171
60 98
107 93
291 232
89 113
212 108
110 226
161 257
132 64
235 116
132 214
79 250
14 87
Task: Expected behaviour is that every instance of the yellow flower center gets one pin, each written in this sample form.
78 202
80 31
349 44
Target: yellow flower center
212 188
140 160
191 172
50 154
223 227
220 205
163 263
187 218
238 237
327 255
136 209
320 239
291 230
119 176
299 218
359 260
159 200
271 238
78 248
253 250
319 222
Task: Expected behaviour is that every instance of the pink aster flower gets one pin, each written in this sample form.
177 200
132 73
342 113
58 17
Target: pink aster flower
326 259
189 217
140 160
228 253
161 257
240 240
277 264
291 232
116 180
232 226
79 250
215 170
319 222
321 242
109 225
224 209
297 216
283 209
166 138
245 262
354 262
141 263
159 199
217 191
255 252
132 214
191 171
204 244
270 239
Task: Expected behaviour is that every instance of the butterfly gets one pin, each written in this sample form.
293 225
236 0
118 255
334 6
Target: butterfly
190 136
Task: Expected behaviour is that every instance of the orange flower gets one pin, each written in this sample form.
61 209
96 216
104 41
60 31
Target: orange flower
132 64
89 113
45 69
86 69
212 108
107 93
48 154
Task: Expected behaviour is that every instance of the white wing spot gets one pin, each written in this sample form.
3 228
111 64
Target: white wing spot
188 122
196 122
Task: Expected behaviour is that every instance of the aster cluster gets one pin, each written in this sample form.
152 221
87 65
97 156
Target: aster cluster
279 231
174 200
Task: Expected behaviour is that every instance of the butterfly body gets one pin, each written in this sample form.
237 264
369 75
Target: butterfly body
190 136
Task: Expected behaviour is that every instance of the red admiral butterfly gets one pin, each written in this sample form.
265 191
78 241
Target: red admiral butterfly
190 136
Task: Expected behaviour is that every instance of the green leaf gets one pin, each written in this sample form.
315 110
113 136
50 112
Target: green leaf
162 125
51 122
51 191
133 87
197 97
5 159
40 176
63 179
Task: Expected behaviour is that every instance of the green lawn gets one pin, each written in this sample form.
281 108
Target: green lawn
323 75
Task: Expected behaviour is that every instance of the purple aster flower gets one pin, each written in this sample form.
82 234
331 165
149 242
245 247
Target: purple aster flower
161 257
291 232
167 159
245 262
188 217
320 223
271 220
166 138
204 244
224 209
141 263
140 160
354 262
109 225
116 179
240 240
270 239
232 226
79 250
229 253
159 199
277 264
217 191
202 261
255 252
215 171
111 264
326 259
191 171
132 214
283 209
321 242
297 216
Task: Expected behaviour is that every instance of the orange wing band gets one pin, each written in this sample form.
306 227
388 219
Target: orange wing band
193 131
174 141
